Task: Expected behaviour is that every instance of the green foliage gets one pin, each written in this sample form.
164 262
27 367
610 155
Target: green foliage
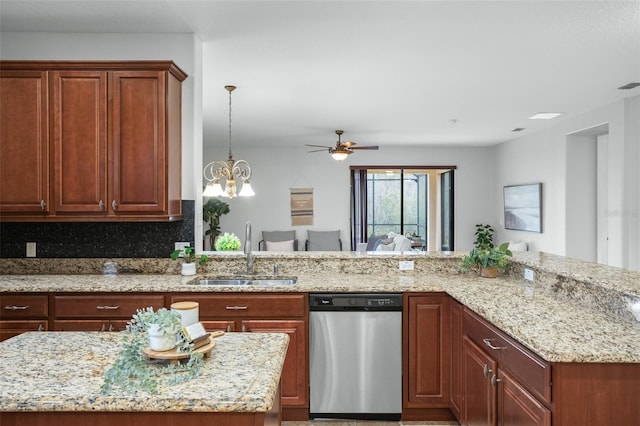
228 242
188 254
497 257
484 254
132 371
484 237
211 212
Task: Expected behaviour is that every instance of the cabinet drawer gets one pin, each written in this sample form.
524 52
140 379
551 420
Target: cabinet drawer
246 305
107 306
533 372
19 306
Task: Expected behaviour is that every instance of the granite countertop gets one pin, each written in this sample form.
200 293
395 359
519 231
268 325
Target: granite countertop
62 371
574 311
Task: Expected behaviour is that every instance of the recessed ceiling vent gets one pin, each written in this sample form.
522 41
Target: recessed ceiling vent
518 129
629 86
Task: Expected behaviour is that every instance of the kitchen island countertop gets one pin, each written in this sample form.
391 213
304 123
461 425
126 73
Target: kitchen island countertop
63 371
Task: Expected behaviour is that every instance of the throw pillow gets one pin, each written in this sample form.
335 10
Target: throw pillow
280 245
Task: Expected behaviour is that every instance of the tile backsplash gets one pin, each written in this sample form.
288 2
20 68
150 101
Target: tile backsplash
97 239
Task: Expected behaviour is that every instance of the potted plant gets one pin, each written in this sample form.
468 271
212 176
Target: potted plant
228 242
211 212
131 371
162 327
189 257
485 257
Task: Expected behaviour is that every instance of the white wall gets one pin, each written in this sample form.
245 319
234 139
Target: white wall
184 49
542 157
277 169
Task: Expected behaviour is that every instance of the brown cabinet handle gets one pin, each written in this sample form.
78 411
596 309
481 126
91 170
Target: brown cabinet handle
236 308
490 345
16 308
107 307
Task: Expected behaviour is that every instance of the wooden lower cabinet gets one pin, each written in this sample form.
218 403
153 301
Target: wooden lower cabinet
426 357
479 394
504 383
267 313
516 406
23 312
105 312
456 391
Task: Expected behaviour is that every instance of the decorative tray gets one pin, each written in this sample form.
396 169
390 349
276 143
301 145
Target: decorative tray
174 356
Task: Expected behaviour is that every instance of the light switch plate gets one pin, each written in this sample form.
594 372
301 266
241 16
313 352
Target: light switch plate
31 249
180 245
406 265
528 274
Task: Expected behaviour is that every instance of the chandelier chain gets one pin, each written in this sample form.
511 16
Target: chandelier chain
230 155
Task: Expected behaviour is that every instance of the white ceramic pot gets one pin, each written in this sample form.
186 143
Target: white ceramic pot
159 341
189 268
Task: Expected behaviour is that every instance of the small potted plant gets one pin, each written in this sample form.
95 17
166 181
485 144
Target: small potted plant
228 242
162 327
488 261
485 257
159 331
188 255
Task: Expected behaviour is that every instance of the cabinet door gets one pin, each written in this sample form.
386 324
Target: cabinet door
294 372
13 328
24 142
480 395
138 145
426 355
518 407
457 390
79 121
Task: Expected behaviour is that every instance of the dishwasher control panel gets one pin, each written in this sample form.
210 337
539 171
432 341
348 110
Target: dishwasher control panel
358 301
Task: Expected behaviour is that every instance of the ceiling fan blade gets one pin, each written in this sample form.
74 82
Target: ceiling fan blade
319 150
348 144
365 147
319 146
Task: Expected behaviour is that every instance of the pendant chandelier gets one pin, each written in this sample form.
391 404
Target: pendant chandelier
219 171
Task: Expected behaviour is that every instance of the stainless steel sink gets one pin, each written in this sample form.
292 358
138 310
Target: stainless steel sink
243 281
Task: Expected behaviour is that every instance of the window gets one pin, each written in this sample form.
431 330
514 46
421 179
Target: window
404 200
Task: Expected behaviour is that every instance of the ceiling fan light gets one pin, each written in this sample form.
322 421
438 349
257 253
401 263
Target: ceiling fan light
247 190
339 155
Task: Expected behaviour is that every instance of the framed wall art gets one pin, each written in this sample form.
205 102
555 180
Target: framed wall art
523 207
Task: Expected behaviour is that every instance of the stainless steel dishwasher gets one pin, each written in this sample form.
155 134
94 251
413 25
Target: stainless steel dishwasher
355 356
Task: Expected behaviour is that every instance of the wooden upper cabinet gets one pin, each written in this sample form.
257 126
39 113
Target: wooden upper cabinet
79 122
138 153
24 142
116 150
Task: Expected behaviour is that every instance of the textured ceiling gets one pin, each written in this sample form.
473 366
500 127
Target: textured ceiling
387 72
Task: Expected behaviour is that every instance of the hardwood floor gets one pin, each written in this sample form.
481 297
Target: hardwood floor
365 423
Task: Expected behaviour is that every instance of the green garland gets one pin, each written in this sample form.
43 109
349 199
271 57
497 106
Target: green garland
132 371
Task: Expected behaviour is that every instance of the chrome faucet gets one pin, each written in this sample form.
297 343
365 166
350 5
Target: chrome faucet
247 248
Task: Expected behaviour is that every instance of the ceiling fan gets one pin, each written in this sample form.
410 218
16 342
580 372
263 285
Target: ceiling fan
342 149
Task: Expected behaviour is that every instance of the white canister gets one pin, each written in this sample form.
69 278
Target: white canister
188 312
